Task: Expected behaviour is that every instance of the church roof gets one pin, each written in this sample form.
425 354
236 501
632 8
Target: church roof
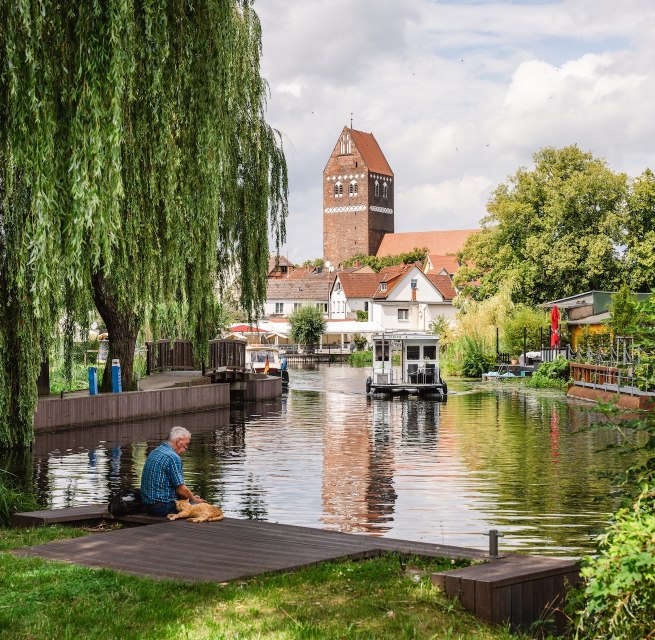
436 242
371 152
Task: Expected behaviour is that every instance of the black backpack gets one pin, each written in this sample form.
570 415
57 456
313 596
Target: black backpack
126 502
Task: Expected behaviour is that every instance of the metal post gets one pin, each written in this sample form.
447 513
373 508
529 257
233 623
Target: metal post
493 542
497 343
525 339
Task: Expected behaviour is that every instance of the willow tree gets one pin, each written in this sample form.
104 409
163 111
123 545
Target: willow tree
150 173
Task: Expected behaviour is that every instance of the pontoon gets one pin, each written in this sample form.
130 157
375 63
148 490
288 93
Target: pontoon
418 373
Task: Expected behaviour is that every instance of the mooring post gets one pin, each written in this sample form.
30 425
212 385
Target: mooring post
493 542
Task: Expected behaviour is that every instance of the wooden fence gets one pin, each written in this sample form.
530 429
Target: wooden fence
177 355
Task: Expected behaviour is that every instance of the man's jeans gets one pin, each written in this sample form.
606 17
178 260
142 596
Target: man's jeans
161 509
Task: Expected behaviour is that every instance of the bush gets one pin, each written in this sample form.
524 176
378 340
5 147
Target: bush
360 342
534 320
553 375
361 358
618 596
362 316
475 360
13 499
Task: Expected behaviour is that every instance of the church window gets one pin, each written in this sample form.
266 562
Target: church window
353 188
377 188
338 189
385 190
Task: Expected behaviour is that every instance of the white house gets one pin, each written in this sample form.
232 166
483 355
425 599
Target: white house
397 298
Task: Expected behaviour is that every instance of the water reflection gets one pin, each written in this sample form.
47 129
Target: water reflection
327 455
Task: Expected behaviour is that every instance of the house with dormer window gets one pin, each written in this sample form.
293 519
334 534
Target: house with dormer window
397 298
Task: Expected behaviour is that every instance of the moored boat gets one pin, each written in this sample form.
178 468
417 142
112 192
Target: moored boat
265 358
419 372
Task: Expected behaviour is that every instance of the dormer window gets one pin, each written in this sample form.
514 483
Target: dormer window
353 188
385 190
377 188
383 286
338 189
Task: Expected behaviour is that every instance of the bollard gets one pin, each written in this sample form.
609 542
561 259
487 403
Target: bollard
493 542
93 381
116 376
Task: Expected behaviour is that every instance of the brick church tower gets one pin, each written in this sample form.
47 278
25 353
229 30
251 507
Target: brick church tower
357 197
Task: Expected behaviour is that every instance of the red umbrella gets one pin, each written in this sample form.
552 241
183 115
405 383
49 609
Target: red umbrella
554 327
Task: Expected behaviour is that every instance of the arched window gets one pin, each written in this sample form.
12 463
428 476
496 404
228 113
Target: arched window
353 188
338 189
377 188
385 190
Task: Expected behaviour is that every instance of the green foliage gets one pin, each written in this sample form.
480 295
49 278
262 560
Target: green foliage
535 322
639 236
618 599
476 360
360 341
136 168
552 375
441 327
550 232
307 325
416 255
317 262
13 498
623 311
361 358
362 316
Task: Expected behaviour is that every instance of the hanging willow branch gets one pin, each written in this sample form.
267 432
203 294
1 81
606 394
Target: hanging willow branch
135 135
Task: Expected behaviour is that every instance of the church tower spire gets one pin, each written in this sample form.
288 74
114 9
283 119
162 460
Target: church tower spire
358 197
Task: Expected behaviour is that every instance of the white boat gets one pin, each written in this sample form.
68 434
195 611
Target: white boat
418 373
265 358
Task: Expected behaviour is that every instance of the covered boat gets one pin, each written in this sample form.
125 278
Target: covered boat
418 372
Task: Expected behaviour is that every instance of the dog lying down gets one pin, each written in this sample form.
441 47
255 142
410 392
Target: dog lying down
201 512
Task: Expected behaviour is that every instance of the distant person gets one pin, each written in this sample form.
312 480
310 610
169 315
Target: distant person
283 366
162 480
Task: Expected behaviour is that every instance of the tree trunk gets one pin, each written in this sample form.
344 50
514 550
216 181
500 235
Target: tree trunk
123 328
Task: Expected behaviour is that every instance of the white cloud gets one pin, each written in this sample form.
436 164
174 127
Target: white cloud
459 95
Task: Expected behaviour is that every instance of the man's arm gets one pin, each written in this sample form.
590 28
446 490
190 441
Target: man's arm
184 492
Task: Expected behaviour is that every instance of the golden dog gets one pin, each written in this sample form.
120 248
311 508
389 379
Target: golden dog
201 512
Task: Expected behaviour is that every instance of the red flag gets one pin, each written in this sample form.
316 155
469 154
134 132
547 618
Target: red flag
267 365
554 327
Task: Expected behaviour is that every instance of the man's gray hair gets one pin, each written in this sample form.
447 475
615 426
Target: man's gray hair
178 432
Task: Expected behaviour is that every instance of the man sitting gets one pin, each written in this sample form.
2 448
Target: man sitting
162 480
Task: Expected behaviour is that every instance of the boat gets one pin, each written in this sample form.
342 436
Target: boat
265 358
418 373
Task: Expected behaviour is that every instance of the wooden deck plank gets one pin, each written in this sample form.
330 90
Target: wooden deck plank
216 551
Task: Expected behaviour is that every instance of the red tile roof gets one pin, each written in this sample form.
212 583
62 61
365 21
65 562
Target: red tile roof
443 284
359 285
436 242
392 276
371 152
449 263
314 286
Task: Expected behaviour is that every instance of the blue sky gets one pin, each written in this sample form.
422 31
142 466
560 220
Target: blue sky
459 94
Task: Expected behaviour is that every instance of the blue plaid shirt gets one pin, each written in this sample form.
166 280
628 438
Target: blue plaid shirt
162 473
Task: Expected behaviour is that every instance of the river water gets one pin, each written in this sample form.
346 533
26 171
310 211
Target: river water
325 455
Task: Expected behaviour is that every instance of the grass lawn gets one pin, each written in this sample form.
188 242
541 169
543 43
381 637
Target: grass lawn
378 598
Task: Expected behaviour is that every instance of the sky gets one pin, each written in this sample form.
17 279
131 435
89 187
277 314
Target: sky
458 93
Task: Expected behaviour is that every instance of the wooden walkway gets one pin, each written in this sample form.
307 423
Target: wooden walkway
212 551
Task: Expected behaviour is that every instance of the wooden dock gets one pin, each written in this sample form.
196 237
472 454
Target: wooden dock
513 589
211 551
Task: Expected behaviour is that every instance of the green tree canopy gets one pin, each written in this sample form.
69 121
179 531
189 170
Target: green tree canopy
550 232
416 255
639 236
136 168
307 325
